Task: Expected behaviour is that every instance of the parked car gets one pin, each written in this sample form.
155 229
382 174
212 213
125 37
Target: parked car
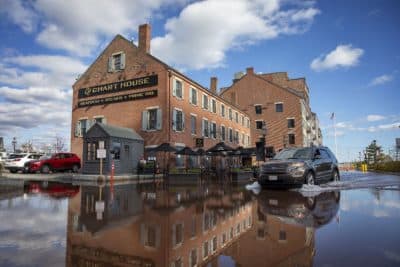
16 162
298 166
55 162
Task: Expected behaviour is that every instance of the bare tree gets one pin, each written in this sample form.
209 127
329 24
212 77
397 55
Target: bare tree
59 145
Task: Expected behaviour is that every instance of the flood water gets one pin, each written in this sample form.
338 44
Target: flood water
52 224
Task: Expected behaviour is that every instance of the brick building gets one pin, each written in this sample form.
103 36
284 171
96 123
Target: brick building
278 107
128 87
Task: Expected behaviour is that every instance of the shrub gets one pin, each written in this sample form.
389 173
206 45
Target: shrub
391 166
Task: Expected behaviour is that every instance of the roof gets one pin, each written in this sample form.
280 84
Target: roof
120 132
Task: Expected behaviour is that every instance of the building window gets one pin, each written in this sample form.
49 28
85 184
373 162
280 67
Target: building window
248 140
236 138
99 119
205 102
151 119
177 89
242 119
193 96
214 244
290 123
177 263
230 114
282 235
258 109
236 117
279 107
223 239
213 106
222 110
193 258
116 62
116 150
248 122
205 249
259 125
150 235
223 137
177 234
230 135
292 139
91 150
205 129
213 130
193 124
178 120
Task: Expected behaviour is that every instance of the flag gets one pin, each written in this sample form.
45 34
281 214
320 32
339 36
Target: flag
332 115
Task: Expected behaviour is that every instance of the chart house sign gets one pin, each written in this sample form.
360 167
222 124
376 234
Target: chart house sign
116 87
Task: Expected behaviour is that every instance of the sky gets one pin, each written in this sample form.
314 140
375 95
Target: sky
348 51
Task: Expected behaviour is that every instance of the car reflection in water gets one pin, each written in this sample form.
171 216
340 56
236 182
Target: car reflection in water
292 207
52 189
203 225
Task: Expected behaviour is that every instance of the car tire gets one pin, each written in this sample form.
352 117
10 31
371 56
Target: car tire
335 176
45 169
13 171
310 178
75 168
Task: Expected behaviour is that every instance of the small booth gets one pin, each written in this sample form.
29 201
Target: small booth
105 145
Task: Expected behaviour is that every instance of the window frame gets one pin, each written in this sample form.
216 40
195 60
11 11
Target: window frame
279 104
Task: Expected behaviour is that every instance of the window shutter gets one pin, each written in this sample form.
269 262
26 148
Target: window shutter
173 235
78 129
144 120
122 61
202 128
174 120
110 64
159 119
182 90
88 124
104 121
174 88
183 121
190 95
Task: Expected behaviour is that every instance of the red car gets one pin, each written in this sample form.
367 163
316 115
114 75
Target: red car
56 162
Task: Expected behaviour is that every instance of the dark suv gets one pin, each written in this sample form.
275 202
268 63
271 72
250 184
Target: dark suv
298 166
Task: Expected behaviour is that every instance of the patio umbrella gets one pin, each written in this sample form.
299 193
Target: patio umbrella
220 147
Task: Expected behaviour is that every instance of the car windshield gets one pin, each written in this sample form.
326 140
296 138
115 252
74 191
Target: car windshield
294 153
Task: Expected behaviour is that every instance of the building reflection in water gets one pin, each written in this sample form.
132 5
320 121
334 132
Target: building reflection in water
213 225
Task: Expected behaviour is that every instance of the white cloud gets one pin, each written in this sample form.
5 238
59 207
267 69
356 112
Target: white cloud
381 80
342 56
384 127
375 117
202 33
79 26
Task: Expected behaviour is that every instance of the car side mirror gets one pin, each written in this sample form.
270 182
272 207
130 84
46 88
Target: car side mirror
317 156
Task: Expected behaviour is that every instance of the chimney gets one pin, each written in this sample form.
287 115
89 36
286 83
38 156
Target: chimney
250 70
213 84
144 38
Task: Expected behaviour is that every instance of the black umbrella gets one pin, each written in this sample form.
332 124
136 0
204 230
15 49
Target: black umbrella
200 152
166 148
186 151
220 147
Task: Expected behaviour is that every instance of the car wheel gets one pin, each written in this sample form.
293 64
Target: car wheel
75 168
310 178
45 169
335 176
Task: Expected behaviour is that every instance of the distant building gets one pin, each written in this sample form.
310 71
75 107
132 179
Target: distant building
1 144
278 107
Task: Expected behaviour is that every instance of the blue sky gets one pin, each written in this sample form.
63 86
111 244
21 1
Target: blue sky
348 51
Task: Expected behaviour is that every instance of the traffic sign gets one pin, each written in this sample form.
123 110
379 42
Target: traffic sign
101 153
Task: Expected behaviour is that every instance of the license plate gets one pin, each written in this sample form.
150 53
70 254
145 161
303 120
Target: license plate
272 177
273 202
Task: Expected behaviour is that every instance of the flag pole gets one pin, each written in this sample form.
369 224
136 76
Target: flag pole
334 133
